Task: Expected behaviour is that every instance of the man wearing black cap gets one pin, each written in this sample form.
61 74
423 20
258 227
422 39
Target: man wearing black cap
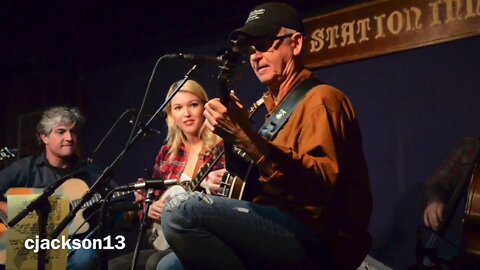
313 206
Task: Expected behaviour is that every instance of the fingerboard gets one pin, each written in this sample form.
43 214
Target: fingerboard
96 198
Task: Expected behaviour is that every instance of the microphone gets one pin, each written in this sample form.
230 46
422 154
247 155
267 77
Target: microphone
149 183
239 45
196 59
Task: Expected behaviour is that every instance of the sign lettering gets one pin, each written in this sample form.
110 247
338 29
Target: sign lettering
382 27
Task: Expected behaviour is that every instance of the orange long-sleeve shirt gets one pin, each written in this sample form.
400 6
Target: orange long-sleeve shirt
319 172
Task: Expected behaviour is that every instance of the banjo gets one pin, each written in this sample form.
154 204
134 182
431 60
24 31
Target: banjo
231 185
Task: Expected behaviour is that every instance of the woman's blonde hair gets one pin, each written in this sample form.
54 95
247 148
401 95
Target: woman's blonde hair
176 137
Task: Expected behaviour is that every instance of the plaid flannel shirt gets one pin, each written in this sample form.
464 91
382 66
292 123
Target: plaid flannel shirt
459 163
172 169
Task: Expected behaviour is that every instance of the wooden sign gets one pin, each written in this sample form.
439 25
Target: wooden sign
382 27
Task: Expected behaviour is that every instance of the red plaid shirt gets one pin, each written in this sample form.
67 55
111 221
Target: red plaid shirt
165 169
172 169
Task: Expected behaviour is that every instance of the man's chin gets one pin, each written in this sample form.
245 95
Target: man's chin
266 80
67 154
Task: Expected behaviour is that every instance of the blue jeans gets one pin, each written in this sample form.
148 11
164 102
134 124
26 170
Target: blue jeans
170 262
87 259
83 259
212 232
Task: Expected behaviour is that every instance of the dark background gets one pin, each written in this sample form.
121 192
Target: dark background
413 106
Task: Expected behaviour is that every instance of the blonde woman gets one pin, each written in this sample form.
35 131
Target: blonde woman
189 146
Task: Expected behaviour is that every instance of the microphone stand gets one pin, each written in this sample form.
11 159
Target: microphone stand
42 206
108 170
100 144
101 228
142 227
42 211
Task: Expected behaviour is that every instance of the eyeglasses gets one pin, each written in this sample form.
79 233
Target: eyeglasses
263 45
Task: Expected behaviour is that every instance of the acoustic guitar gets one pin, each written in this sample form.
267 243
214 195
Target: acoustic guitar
74 189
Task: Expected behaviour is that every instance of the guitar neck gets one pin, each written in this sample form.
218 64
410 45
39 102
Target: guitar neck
96 198
235 164
206 168
237 160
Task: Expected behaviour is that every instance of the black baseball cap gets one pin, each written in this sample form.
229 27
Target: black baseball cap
266 19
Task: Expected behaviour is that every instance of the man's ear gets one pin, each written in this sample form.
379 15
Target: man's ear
44 138
297 39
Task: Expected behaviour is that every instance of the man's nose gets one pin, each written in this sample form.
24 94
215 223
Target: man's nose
255 56
68 136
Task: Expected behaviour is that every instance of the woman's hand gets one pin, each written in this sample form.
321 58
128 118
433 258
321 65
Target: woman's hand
156 209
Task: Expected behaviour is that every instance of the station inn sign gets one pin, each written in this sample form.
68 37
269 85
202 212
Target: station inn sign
382 27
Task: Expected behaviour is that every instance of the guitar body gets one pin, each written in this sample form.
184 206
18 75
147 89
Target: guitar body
232 186
74 189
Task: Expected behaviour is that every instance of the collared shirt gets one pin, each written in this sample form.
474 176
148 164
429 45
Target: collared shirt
319 171
440 186
36 172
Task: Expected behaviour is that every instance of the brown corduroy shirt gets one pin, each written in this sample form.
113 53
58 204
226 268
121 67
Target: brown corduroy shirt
319 172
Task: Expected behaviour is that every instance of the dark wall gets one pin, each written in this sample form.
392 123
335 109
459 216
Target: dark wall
413 107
